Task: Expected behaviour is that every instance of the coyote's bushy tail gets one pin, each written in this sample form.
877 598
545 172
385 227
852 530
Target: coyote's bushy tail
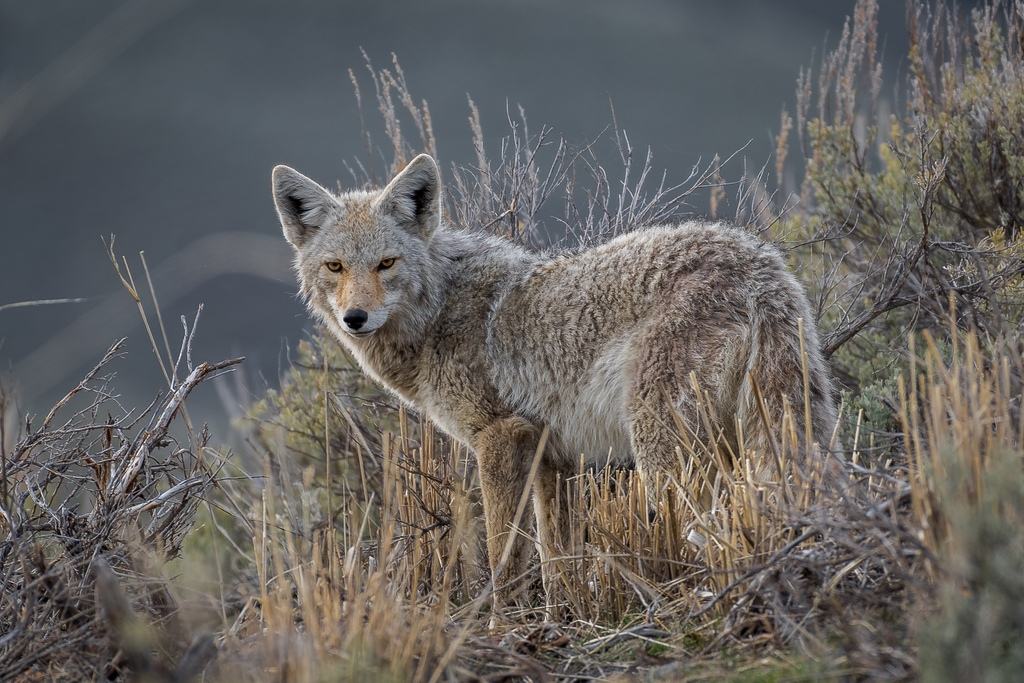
785 358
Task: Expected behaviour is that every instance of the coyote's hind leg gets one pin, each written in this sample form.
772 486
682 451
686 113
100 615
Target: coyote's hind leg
680 359
551 507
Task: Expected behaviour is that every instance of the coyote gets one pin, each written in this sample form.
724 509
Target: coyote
536 361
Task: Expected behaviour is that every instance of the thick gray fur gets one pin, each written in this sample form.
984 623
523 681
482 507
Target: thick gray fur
494 342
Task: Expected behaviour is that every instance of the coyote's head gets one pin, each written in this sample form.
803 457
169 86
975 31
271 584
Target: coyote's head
361 257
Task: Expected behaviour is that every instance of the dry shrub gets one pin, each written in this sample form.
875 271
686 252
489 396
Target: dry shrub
95 498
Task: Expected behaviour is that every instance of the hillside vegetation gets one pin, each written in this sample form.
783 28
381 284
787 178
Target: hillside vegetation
344 540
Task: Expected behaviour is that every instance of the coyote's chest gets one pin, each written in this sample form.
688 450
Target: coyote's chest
586 411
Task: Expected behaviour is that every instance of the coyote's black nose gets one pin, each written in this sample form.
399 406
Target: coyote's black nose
355 318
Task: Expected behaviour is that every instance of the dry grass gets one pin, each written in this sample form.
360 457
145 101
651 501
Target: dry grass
776 560
345 541
823 565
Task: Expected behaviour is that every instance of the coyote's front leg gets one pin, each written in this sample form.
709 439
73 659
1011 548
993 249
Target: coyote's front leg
505 452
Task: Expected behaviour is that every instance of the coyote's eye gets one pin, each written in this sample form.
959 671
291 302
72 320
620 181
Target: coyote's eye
333 266
387 263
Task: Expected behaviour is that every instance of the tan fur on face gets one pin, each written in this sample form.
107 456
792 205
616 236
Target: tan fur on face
359 289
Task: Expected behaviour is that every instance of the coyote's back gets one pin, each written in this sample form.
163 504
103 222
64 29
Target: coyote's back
605 345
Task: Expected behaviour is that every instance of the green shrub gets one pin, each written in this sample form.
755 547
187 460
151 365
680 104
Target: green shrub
324 399
913 209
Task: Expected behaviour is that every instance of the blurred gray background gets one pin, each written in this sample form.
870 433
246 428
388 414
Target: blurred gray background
159 121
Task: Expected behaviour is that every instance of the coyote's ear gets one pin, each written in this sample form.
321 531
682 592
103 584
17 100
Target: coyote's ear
413 198
301 203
